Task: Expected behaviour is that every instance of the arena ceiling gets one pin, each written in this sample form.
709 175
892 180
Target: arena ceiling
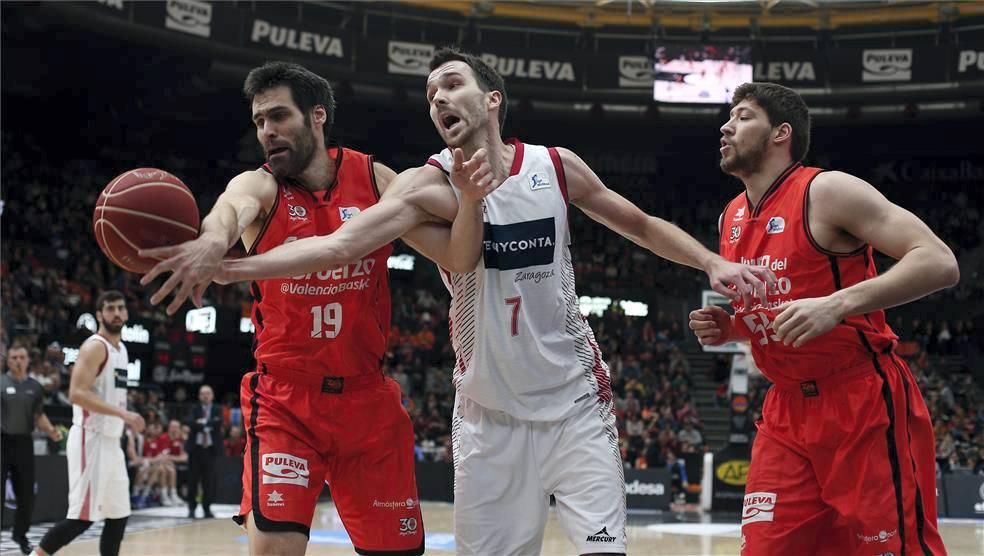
710 15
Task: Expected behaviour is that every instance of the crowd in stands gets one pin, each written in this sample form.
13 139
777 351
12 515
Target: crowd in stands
52 270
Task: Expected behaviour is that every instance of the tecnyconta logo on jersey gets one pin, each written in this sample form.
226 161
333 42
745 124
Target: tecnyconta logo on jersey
519 245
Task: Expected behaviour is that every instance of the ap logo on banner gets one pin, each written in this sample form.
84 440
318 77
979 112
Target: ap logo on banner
886 65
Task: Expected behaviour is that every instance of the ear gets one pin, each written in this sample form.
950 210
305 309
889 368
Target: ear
319 115
782 133
494 99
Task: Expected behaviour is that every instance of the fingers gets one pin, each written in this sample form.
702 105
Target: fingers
724 290
158 269
792 336
180 297
196 294
165 289
160 252
759 287
459 159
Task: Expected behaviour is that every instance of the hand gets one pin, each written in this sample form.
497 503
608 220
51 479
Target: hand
746 280
798 322
193 264
134 421
55 434
712 325
474 178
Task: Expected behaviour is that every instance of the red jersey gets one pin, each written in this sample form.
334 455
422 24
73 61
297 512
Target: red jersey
776 234
333 322
154 447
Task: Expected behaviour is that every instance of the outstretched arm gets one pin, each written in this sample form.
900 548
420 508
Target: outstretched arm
850 205
194 263
414 197
589 194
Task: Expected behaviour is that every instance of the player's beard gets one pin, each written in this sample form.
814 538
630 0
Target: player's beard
113 328
745 161
299 156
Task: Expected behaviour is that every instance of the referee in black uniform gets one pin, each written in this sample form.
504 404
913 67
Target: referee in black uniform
21 407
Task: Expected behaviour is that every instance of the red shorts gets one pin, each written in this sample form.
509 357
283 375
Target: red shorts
844 465
352 433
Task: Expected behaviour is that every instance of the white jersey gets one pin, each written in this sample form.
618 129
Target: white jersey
520 341
111 387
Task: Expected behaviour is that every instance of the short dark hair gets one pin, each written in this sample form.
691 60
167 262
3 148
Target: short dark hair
488 79
108 296
781 105
306 87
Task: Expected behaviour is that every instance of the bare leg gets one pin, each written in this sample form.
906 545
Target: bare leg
285 543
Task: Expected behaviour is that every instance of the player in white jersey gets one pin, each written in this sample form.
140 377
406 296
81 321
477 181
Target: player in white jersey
533 410
98 486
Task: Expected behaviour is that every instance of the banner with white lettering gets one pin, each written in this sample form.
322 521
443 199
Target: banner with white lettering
887 66
115 8
793 67
396 58
649 489
541 68
967 62
620 71
191 18
298 38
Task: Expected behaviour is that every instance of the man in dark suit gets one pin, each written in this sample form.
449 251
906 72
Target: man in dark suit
204 446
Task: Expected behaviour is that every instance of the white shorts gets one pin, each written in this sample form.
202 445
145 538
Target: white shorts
98 486
506 469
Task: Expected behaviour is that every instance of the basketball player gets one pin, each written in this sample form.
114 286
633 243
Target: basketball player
533 410
98 484
843 461
318 406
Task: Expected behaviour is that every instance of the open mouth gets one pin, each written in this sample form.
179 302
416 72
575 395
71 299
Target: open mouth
449 121
276 150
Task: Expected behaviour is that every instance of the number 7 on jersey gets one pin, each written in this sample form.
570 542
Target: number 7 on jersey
516 302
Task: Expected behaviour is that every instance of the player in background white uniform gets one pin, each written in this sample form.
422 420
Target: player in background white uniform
548 430
98 486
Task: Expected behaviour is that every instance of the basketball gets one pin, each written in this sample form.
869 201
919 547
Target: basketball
142 209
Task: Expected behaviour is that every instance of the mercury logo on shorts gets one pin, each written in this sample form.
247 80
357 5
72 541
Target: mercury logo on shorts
601 536
758 506
279 468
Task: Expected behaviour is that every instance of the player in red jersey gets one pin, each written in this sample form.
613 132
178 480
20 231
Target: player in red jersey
843 461
318 406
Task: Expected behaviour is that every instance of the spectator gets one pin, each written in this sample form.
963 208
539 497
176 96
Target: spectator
235 445
690 435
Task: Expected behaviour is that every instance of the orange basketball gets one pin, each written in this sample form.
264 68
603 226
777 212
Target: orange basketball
141 209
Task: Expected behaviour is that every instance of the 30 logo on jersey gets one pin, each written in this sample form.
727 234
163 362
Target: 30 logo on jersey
297 212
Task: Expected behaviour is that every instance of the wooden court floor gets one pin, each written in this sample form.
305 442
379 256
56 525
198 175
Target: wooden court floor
165 532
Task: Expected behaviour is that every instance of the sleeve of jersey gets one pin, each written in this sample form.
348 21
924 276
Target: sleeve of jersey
441 161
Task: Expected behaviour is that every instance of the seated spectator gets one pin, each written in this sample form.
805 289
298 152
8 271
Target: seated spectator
690 435
235 445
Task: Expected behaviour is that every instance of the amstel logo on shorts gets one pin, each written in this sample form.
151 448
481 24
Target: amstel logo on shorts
758 506
285 469
409 504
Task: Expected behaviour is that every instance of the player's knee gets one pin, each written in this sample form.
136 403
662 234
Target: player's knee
274 543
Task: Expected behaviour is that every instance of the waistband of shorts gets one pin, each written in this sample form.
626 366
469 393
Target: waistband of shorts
327 384
814 386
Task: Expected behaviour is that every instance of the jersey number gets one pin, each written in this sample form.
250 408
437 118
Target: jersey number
326 322
764 327
515 302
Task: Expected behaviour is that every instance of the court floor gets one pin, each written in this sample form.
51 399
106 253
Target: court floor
165 531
